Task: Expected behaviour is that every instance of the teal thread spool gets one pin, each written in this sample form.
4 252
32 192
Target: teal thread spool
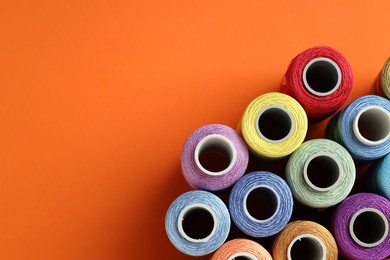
320 173
379 177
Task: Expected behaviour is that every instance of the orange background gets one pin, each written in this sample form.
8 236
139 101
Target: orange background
98 97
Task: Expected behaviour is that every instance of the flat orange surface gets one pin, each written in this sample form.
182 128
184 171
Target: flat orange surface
98 97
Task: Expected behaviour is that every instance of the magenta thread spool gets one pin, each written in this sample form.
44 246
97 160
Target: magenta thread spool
361 226
214 157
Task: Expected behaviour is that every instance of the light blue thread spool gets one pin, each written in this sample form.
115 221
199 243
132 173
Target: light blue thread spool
265 193
197 223
363 128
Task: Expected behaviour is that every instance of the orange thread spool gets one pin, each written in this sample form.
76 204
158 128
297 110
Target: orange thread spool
305 239
241 247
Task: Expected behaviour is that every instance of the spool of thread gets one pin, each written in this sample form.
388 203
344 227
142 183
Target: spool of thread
320 78
320 173
214 157
274 125
304 240
197 223
260 204
379 177
361 226
382 83
363 128
241 248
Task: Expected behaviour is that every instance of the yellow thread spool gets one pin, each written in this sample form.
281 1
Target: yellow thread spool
274 125
241 248
306 238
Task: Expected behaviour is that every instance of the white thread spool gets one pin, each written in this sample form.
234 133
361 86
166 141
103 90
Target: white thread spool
314 247
216 142
321 76
265 193
325 164
243 256
204 214
274 124
371 125
375 220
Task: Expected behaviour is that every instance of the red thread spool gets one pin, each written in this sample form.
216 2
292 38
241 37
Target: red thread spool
320 78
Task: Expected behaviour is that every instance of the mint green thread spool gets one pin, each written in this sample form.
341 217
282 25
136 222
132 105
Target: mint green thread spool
320 173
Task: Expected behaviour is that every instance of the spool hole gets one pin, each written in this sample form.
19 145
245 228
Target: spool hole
374 124
197 223
322 76
242 256
322 172
306 248
215 154
262 203
369 228
275 124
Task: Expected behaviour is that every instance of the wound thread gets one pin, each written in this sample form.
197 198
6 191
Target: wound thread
304 240
214 157
382 83
321 79
241 248
273 125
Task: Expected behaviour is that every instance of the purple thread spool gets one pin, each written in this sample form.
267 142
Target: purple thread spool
214 157
361 226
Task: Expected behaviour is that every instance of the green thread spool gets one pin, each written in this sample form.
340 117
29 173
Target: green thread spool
382 84
320 173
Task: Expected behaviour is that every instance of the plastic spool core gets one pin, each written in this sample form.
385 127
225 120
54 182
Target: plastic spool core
321 76
215 155
197 223
371 125
369 227
322 171
261 203
274 124
242 256
306 246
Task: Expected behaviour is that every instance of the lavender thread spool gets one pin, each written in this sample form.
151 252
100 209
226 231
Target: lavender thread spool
361 226
214 157
261 204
